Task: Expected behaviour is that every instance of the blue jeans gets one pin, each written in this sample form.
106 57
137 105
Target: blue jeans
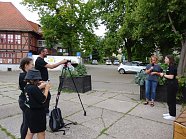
150 86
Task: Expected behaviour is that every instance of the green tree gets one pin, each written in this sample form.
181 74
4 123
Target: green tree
116 15
112 14
166 22
68 22
146 25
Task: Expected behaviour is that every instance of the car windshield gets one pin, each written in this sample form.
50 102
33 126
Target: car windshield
135 63
143 64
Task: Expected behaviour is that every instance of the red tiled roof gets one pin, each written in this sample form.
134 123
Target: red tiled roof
36 26
11 19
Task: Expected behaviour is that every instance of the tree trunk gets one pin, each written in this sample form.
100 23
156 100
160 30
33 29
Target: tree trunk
69 49
129 44
182 61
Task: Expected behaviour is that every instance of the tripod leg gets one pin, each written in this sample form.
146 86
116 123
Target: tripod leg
63 73
60 87
77 91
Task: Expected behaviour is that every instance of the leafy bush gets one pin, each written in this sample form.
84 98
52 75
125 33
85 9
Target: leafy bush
182 85
140 78
79 70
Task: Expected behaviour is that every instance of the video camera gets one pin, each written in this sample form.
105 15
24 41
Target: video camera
68 61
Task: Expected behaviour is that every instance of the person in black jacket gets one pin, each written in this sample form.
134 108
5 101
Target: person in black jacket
172 87
42 66
25 65
36 95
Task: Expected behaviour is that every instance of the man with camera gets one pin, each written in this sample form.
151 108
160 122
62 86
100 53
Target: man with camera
42 66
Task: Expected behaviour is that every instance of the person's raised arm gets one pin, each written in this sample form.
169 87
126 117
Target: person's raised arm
52 66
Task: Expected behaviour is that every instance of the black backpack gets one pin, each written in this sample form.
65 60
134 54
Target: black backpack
56 121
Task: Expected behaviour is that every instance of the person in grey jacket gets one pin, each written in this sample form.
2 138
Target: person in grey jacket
153 71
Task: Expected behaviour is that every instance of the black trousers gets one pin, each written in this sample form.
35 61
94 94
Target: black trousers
172 88
24 125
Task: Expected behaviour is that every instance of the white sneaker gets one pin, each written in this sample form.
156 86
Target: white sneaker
166 114
169 118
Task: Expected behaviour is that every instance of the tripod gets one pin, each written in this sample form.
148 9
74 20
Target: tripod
63 74
56 121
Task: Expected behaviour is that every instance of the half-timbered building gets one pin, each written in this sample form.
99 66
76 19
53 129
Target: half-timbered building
18 36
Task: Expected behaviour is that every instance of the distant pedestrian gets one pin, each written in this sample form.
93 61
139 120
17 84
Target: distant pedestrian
42 65
36 94
25 65
172 87
153 70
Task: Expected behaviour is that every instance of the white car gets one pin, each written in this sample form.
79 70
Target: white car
116 62
108 62
134 66
94 62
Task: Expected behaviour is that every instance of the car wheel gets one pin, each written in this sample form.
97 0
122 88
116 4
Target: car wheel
121 71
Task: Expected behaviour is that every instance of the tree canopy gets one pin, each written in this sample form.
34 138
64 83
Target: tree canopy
147 25
67 22
139 27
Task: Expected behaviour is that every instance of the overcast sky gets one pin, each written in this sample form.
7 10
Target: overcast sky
33 16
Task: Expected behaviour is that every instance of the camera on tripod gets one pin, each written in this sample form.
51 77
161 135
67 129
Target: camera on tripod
68 61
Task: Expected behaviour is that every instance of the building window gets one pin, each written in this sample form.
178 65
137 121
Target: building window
2 38
7 55
41 43
9 61
18 39
10 38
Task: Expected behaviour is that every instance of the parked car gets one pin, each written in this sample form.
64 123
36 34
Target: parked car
94 62
134 66
116 62
108 62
